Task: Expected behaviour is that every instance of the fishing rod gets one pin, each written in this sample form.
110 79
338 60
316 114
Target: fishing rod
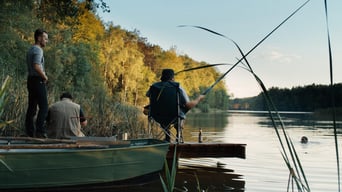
209 65
202 67
243 55
293 153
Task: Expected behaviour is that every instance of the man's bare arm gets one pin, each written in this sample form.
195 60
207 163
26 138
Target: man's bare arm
194 102
40 72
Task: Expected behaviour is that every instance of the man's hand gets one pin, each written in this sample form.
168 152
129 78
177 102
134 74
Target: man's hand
45 79
200 97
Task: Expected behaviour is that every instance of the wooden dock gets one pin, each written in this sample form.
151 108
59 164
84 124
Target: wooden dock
197 150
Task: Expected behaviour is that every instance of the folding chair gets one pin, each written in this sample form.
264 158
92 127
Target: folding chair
165 107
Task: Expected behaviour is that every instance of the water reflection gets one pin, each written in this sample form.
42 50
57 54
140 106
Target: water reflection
213 121
211 124
212 174
209 178
264 169
297 120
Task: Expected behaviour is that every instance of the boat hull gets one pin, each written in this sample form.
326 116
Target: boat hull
42 168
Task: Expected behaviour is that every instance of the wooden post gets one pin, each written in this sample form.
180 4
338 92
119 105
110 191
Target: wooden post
200 136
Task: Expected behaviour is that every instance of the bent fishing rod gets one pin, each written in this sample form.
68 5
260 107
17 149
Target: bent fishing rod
243 55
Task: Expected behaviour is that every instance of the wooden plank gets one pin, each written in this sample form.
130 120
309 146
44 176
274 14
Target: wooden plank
197 150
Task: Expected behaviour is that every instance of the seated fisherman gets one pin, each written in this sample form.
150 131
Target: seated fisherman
185 104
65 118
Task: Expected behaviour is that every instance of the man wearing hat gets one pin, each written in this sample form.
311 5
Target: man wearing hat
163 93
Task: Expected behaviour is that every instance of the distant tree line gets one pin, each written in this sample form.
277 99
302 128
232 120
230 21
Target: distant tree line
307 98
106 68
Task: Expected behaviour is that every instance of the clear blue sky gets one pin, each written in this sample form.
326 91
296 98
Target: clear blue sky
295 55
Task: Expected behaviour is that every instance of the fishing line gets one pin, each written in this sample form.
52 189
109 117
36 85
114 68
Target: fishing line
244 55
292 153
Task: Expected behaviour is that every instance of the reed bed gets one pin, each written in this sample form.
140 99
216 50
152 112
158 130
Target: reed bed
3 100
106 118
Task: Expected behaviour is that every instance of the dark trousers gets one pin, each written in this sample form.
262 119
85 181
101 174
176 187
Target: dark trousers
37 96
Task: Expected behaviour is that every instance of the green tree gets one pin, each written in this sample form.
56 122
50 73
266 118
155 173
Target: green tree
108 69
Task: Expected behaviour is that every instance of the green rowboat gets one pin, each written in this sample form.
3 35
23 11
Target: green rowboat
45 163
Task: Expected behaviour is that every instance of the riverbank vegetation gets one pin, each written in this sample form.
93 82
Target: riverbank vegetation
107 69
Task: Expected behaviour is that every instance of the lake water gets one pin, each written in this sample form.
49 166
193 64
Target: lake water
264 168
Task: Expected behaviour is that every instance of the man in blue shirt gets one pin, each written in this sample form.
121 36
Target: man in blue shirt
36 85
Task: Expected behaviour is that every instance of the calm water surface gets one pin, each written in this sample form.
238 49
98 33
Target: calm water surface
264 169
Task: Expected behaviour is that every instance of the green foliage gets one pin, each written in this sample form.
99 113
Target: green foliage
107 69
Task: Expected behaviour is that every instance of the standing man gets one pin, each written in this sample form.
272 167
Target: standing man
65 118
36 85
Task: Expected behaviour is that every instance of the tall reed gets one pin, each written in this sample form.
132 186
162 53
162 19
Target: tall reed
170 177
3 99
332 96
289 154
